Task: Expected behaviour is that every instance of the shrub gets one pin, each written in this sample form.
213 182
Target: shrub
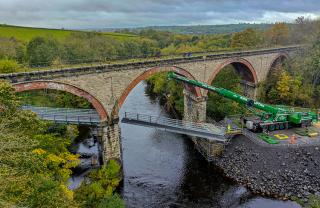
8 66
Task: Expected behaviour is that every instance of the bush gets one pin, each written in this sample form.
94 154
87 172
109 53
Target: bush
314 201
8 66
100 191
35 165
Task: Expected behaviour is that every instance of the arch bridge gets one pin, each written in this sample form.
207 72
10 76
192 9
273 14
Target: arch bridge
107 86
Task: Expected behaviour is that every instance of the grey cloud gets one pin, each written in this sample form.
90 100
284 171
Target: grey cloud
123 13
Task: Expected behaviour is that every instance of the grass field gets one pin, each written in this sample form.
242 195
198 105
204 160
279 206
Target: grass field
27 33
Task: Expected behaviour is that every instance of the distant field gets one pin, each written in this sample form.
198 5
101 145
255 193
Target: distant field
208 29
120 35
27 33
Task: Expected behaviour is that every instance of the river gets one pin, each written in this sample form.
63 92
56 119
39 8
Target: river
163 169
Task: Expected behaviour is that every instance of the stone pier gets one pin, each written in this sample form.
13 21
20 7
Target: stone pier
111 143
195 110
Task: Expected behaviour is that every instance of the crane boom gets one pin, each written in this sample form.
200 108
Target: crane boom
271 117
228 94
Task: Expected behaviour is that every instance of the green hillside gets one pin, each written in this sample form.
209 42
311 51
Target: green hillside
27 33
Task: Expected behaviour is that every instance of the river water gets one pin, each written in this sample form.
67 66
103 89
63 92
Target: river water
163 169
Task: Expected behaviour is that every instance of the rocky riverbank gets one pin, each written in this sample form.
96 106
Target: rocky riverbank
274 172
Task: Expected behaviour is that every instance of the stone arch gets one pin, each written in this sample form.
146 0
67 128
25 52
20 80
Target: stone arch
247 72
38 85
146 74
278 59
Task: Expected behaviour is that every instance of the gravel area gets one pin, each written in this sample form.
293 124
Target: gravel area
275 172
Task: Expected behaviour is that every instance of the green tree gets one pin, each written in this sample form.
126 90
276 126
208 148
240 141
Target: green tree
169 91
77 49
163 38
42 51
129 49
10 48
214 42
217 106
53 98
148 48
87 48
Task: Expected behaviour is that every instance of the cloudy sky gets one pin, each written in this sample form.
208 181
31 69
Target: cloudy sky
131 13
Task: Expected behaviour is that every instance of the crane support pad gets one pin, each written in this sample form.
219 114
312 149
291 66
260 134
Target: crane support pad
267 138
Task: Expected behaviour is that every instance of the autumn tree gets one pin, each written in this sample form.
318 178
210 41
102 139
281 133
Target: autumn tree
283 86
246 39
290 90
278 34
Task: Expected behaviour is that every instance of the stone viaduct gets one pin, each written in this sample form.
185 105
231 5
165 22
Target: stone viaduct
107 86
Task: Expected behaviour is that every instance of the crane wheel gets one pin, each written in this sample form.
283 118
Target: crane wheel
281 126
271 127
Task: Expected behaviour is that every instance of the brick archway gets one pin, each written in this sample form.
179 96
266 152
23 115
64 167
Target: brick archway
281 56
38 85
240 61
146 74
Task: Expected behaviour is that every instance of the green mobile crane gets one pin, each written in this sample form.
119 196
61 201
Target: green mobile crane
267 117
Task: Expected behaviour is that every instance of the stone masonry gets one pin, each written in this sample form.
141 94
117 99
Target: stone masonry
107 86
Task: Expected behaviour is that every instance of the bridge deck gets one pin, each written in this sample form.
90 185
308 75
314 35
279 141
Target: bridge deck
202 130
66 115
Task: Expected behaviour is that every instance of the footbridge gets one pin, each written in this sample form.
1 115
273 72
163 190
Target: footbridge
66 115
200 130
91 117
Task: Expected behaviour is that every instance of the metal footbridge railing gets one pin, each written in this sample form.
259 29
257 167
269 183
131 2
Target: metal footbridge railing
201 130
91 117
66 115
